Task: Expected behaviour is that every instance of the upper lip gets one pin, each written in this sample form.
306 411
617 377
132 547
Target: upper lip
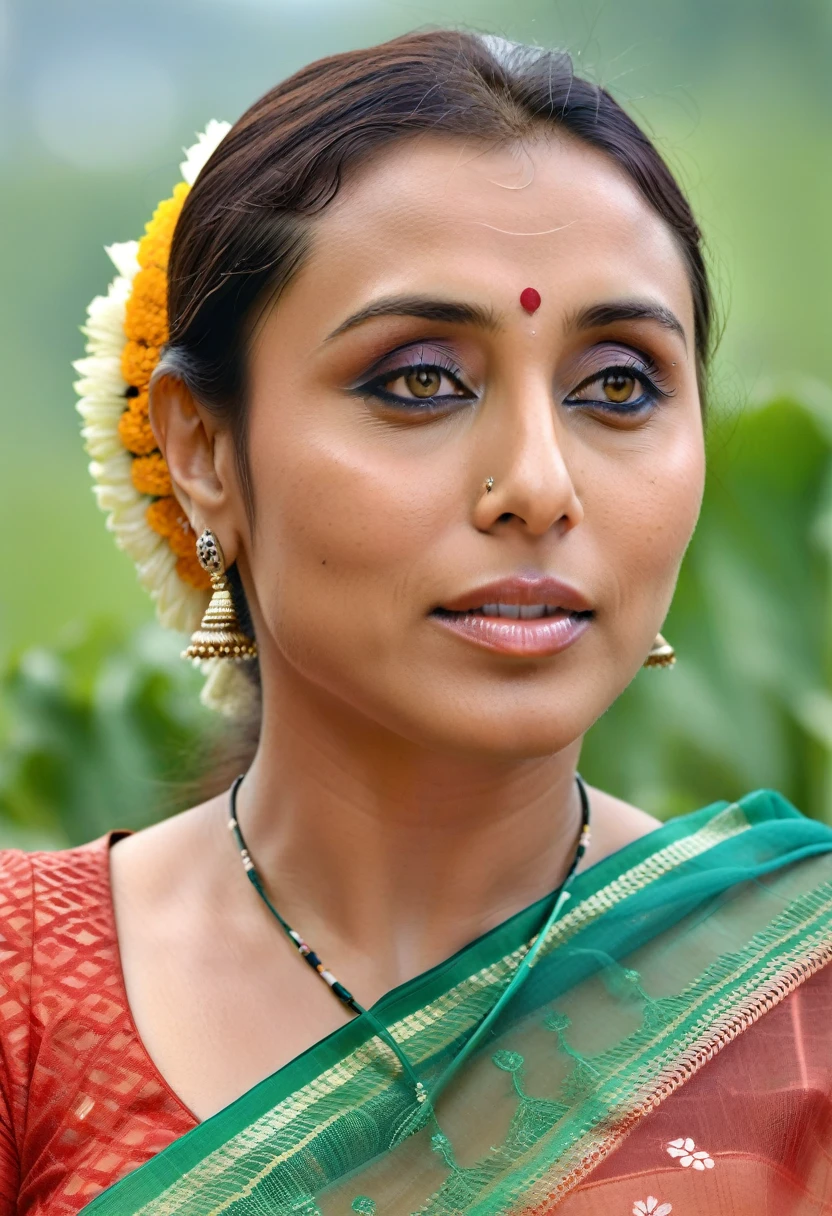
521 590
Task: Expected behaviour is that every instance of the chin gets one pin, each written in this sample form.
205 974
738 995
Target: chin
528 732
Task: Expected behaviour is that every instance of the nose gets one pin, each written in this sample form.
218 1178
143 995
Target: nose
533 483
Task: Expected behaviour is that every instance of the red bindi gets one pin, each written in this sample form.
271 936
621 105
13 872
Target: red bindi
530 299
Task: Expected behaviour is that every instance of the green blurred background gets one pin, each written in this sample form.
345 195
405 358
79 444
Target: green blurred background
98 719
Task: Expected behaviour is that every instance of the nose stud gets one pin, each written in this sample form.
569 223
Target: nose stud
489 484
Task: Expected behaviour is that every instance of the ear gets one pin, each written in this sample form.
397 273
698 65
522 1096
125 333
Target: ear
200 457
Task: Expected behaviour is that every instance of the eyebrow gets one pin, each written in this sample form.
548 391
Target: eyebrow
596 315
426 309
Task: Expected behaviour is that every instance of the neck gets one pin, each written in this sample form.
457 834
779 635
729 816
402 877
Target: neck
387 856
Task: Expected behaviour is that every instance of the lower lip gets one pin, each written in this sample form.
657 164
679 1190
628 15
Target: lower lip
528 639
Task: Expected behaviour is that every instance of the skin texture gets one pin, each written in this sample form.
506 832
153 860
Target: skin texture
412 790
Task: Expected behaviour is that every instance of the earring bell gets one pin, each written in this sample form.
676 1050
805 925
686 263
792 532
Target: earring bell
661 653
219 636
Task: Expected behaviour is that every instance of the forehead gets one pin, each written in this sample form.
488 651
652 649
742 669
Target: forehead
552 213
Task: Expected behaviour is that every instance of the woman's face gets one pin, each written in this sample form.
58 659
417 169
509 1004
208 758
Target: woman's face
399 372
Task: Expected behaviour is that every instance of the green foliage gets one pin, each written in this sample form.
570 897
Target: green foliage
98 733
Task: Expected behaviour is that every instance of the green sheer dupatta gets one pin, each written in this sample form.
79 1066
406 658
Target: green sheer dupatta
665 952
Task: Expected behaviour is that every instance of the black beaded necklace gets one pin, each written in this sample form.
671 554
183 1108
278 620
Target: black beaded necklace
559 898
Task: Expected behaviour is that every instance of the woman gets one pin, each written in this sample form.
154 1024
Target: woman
430 398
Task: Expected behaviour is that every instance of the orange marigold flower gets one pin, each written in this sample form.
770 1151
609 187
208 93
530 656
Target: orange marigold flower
190 571
183 542
134 428
146 314
138 362
154 247
166 517
150 475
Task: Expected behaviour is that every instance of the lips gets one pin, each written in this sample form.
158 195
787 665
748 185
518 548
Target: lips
521 612
524 617
546 592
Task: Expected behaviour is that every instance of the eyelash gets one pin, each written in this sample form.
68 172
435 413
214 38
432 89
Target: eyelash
644 372
374 387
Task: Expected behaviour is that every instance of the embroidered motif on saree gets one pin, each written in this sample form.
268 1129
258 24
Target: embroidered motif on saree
687 1154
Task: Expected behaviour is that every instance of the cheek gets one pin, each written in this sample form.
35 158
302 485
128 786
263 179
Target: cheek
343 523
647 509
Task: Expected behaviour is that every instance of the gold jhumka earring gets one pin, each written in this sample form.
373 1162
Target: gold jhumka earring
219 636
661 653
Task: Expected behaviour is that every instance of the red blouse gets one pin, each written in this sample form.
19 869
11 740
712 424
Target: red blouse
81 1102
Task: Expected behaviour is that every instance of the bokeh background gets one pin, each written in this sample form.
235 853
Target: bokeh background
99 721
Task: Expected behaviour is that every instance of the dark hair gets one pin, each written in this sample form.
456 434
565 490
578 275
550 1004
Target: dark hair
247 223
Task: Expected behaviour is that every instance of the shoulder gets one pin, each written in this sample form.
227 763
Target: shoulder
16 903
45 887
80 1100
53 906
16 945
775 826
615 824
146 871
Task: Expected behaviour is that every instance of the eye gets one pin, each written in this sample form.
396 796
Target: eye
425 381
621 389
421 385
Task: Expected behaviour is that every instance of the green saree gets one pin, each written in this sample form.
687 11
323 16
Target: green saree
667 952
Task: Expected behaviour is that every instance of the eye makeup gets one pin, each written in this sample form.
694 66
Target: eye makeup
425 379
421 377
625 382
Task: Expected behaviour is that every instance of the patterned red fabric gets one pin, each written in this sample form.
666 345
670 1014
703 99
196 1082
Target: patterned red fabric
81 1103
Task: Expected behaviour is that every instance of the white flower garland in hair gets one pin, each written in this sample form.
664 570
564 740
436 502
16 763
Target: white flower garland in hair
105 397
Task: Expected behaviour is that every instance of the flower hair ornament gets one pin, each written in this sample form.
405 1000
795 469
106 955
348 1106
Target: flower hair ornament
125 331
